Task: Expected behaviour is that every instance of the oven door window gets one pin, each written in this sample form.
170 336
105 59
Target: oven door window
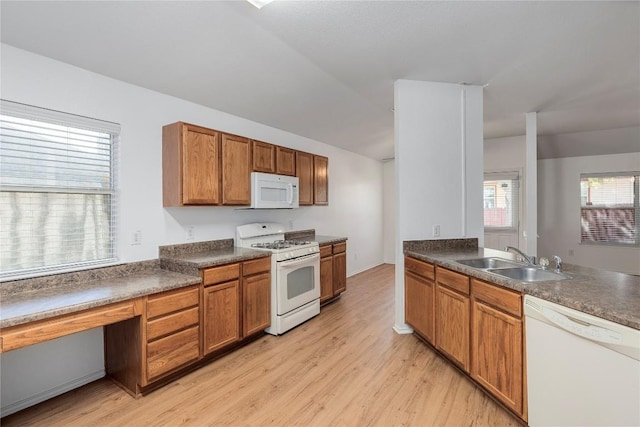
299 282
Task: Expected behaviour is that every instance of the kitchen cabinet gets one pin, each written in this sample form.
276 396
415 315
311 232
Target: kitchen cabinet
172 331
326 273
496 344
285 161
304 172
478 327
256 296
236 170
190 165
203 166
221 307
419 290
162 339
320 180
452 316
339 268
264 157
333 271
235 305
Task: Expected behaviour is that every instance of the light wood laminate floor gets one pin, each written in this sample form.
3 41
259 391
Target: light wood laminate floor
345 367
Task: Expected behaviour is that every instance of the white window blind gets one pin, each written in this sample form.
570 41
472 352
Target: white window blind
57 190
609 208
501 200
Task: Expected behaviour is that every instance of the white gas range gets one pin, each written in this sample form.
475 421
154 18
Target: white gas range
295 274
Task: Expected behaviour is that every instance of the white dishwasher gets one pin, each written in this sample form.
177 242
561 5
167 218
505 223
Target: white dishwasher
581 370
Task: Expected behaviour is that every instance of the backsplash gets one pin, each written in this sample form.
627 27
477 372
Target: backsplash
439 245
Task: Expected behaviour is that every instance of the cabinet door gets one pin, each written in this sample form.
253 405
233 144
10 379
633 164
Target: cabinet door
285 161
320 180
264 157
339 273
236 170
420 305
221 304
326 278
256 314
452 327
304 172
200 167
497 361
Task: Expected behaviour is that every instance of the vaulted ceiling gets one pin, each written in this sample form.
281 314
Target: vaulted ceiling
325 69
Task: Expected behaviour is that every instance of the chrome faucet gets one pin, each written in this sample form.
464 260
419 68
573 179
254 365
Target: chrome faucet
558 261
531 260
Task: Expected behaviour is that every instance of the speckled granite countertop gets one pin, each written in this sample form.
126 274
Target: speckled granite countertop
313 237
29 300
191 263
609 295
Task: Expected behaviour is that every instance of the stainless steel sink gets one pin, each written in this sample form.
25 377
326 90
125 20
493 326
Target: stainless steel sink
528 274
485 263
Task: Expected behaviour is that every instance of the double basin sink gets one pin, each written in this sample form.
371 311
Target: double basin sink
512 269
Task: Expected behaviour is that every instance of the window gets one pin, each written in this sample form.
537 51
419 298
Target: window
501 195
609 211
57 191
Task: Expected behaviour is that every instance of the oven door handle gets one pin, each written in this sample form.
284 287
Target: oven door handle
298 261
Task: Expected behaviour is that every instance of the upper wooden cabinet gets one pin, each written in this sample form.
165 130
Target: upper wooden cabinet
264 157
190 165
285 161
203 166
236 170
304 172
320 180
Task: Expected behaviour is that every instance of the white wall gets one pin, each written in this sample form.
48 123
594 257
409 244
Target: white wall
389 212
559 212
438 166
355 182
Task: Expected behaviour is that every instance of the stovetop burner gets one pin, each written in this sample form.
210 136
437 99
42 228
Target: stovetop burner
280 244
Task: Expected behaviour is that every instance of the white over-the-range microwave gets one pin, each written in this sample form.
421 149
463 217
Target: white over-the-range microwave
270 191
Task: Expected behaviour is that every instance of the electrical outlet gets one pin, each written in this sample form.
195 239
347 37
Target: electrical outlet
190 232
136 238
436 230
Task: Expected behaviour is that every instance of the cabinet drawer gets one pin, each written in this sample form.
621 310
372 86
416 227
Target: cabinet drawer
221 274
255 266
421 268
172 352
453 280
172 323
168 302
340 247
325 251
504 299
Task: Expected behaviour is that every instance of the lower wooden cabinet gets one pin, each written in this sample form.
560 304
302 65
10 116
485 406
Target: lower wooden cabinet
256 296
498 362
175 329
453 314
172 332
339 268
236 302
333 271
420 296
478 326
221 318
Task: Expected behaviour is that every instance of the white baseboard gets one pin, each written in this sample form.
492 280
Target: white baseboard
362 270
402 329
48 394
